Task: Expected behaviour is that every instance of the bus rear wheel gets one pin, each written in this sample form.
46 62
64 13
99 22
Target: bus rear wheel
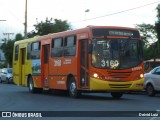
116 95
31 87
73 92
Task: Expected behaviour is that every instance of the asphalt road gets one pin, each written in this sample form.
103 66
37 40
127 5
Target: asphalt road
16 98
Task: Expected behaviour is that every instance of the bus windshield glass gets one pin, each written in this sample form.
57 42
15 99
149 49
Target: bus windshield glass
116 53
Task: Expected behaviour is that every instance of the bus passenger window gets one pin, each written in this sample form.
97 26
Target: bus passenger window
35 50
29 51
16 52
57 47
70 46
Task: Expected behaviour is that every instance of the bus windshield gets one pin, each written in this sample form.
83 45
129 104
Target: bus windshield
116 53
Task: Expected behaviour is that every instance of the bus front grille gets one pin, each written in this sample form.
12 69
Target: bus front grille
119 85
119 74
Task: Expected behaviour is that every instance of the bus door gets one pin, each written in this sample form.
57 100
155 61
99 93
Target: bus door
45 64
22 66
84 63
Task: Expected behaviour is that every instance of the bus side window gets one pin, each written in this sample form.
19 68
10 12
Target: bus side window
29 51
57 47
35 50
70 46
16 52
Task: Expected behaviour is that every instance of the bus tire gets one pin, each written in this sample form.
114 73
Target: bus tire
116 95
31 87
150 90
73 92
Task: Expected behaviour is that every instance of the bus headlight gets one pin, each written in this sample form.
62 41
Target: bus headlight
141 76
95 75
98 76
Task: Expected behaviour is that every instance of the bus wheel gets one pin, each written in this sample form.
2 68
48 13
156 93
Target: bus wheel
73 92
31 87
150 90
116 95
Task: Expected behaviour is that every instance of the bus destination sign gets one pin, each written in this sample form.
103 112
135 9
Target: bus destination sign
120 33
115 32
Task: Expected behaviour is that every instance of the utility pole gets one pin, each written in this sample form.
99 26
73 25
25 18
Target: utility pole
8 34
2 20
25 24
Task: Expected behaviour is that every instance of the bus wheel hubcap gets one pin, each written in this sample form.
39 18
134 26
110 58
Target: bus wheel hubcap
72 88
31 86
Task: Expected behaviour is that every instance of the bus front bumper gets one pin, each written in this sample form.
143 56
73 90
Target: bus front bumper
102 85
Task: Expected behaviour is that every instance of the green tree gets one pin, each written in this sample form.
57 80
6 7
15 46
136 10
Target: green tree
149 36
7 48
148 33
157 27
18 37
49 26
60 26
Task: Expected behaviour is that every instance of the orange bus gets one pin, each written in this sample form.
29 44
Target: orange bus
91 59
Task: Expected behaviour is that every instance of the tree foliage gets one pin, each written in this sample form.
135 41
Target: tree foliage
18 37
151 38
157 27
148 33
7 48
49 26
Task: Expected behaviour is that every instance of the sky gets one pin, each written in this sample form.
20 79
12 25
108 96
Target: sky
126 13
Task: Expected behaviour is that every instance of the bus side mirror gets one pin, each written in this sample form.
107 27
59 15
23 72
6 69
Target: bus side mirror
90 48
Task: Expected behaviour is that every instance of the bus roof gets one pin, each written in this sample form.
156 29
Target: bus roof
27 40
69 32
